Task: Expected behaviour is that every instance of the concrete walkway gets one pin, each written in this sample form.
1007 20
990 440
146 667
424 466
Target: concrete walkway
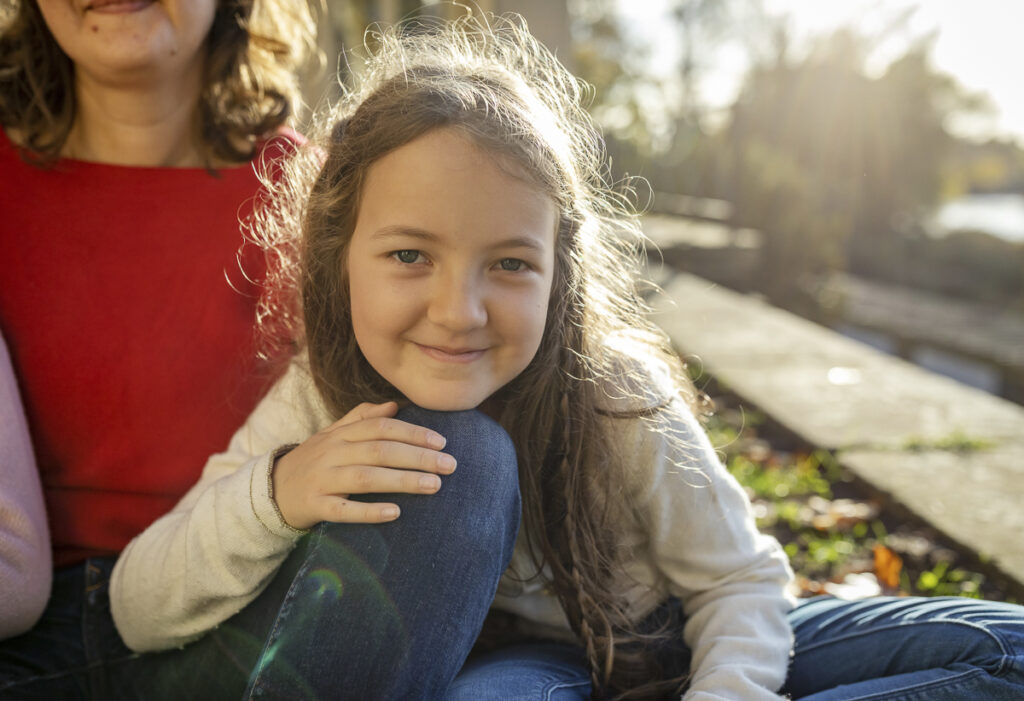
894 425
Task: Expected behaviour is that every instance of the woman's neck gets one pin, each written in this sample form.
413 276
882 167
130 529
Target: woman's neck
139 125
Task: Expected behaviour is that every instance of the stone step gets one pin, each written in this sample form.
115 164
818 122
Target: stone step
893 424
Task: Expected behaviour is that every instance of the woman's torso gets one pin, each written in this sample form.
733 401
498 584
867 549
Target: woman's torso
130 327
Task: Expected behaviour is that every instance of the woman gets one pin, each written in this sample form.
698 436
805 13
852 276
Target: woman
130 134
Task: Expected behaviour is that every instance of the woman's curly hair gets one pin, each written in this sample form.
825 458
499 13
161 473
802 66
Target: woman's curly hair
250 86
493 83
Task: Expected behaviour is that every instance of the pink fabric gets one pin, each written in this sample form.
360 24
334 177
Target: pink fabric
25 571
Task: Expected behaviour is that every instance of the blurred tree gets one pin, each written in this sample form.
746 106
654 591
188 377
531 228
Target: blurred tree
700 25
348 20
647 94
631 102
824 158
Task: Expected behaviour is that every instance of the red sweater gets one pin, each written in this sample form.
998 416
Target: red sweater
134 353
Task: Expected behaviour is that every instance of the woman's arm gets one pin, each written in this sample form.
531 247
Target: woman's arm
220 545
731 579
25 564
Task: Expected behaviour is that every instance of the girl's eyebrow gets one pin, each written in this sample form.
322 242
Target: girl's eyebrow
415 232
395 230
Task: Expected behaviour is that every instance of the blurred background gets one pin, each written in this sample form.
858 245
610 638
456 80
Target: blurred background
857 162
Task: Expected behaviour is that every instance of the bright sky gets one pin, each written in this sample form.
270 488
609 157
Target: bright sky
978 42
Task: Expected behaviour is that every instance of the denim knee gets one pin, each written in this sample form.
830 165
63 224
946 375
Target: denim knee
471 435
401 603
487 468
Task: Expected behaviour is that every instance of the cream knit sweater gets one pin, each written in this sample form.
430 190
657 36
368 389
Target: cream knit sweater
693 536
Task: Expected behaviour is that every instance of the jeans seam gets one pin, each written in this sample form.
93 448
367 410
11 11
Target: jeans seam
937 684
15 683
555 686
289 597
1003 648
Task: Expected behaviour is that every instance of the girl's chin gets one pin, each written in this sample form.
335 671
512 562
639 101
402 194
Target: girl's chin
447 406
491 406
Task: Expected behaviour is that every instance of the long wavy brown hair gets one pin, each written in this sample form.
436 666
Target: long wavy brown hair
249 88
491 81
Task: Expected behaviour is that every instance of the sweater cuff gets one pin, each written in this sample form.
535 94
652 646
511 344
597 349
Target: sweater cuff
261 496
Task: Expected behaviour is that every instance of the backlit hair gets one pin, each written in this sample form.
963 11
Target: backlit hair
249 87
493 83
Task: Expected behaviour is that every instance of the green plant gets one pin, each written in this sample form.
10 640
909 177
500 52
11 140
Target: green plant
793 494
957 442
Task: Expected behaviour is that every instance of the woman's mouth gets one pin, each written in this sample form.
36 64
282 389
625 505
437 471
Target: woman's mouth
116 7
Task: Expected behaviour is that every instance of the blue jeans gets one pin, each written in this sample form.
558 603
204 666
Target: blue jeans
910 649
383 611
392 611
882 649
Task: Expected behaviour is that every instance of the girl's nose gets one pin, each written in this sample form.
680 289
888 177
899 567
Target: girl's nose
458 304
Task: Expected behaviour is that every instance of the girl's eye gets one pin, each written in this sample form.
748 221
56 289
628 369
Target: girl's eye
407 256
512 265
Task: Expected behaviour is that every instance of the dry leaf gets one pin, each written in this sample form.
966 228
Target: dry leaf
888 566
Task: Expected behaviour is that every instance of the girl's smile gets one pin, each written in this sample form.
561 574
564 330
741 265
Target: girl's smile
452 355
449 268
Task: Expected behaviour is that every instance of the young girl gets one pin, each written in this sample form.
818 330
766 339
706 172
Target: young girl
473 359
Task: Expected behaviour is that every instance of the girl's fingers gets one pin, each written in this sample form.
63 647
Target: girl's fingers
397 455
385 428
341 510
366 410
369 479
367 451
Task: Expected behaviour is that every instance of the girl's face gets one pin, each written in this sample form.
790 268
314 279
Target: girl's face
129 40
449 268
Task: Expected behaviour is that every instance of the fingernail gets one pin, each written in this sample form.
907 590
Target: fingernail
436 440
446 462
430 483
389 513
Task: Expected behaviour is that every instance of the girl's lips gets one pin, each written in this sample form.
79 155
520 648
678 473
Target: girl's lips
452 355
116 7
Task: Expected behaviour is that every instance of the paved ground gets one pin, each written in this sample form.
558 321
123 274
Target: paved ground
981 344
895 425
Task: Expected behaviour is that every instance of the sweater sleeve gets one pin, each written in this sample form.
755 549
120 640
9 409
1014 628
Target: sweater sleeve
219 547
25 569
730 578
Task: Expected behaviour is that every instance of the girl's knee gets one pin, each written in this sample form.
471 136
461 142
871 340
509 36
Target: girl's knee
477 442
480 501
472 426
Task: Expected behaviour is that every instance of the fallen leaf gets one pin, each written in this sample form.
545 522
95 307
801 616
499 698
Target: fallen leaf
888 566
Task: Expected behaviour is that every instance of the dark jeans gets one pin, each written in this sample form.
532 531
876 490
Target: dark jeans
357 611
392 611
907 649
880 649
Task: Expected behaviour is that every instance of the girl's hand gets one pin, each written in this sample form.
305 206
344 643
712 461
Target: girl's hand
364 452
